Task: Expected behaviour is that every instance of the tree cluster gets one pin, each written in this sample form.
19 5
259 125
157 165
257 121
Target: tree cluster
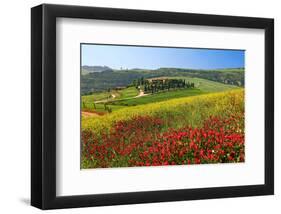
157 85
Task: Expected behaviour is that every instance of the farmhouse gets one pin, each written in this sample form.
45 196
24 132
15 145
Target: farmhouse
158 79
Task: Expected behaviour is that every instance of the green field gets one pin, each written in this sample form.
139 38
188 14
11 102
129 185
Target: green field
176 112
118 99
128 93
96 101
158 97
96 97
207 85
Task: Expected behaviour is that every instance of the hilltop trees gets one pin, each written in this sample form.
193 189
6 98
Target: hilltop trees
101 81
155 85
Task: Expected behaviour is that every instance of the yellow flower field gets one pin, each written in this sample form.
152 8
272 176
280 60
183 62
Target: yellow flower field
175 112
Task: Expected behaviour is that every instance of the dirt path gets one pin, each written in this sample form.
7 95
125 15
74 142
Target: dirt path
113 96
89 114
141 94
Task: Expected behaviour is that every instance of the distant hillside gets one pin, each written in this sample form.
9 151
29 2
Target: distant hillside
102 80
91 69
232 76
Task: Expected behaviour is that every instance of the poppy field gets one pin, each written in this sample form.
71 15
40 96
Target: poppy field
201 129
149 106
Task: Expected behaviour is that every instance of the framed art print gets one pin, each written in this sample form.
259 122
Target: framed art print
133 106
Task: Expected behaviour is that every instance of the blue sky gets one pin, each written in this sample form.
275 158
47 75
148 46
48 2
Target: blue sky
117 56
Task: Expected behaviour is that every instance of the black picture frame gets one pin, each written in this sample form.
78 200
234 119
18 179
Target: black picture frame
43 106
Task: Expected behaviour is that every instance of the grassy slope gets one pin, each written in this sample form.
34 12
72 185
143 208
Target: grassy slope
96 97
128 93
123 96
100 81
207 85
177 112
158 97
88 100
202 86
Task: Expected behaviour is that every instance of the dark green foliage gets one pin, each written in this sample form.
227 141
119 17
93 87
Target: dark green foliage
101 81
161 84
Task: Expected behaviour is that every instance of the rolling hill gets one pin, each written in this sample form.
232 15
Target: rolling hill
109 79
118 99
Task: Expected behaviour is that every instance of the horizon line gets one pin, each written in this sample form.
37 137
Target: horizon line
162 67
